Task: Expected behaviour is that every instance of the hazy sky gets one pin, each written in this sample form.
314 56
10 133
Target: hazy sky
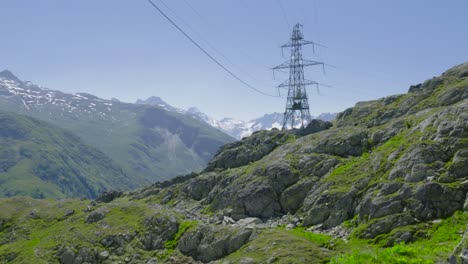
123 49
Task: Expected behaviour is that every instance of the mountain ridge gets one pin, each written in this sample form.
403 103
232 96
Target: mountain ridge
128 133
238 129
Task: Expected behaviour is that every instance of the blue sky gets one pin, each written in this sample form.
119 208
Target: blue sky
123 49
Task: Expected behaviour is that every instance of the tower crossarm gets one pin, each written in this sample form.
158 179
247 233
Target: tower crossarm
304 83
284 65
288 64
311 63
301 42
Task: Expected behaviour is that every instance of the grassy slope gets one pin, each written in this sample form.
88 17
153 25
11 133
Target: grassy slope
121 136
49 229
35 229
41 160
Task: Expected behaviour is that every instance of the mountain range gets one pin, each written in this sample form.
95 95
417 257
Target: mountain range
233 127
148 143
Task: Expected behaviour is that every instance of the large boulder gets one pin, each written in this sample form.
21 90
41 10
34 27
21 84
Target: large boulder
97 215
436 201
249 149
328 209
208 243
459 166
293 197
158 229
384 225
352 141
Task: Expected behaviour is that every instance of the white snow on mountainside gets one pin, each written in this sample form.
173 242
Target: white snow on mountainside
28 97
233 127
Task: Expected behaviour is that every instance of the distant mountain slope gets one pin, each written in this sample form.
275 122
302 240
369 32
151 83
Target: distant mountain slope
40 160
148 142
233 127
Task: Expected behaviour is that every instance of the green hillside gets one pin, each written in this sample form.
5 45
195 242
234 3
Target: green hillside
41 160
149 143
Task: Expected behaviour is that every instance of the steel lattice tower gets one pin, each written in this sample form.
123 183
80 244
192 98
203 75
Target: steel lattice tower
297 113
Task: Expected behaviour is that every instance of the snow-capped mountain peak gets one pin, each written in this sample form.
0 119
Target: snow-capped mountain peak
8 75
231 126
32 97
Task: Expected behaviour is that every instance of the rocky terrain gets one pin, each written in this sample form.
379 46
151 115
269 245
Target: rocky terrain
387 182
143 140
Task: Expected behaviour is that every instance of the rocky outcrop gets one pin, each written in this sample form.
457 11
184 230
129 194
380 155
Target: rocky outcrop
109 196
247 150
97 215
159 229
81 256
208 243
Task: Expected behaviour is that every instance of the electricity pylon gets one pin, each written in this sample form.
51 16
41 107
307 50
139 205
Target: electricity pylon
297 113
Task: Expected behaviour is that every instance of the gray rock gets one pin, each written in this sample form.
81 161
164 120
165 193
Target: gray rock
199 187
384 208
109 196
247 261
249 221
390 188
158 229
418 173
228 220
259 199
315 126
465 204
281 176
69 213
328 209
459 166
353 142
437 201
386 224
247 150
120 251
116 241
85 255
152 261
400 237
97 215
67 257
103 255
208 243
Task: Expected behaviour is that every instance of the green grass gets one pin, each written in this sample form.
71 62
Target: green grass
36 240
282 247
320 239
183 227
435 246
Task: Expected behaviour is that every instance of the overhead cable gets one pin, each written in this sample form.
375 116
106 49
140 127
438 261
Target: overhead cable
207 53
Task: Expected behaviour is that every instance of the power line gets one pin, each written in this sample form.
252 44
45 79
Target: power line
204 40
284 14
193 9
206 53
211 26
